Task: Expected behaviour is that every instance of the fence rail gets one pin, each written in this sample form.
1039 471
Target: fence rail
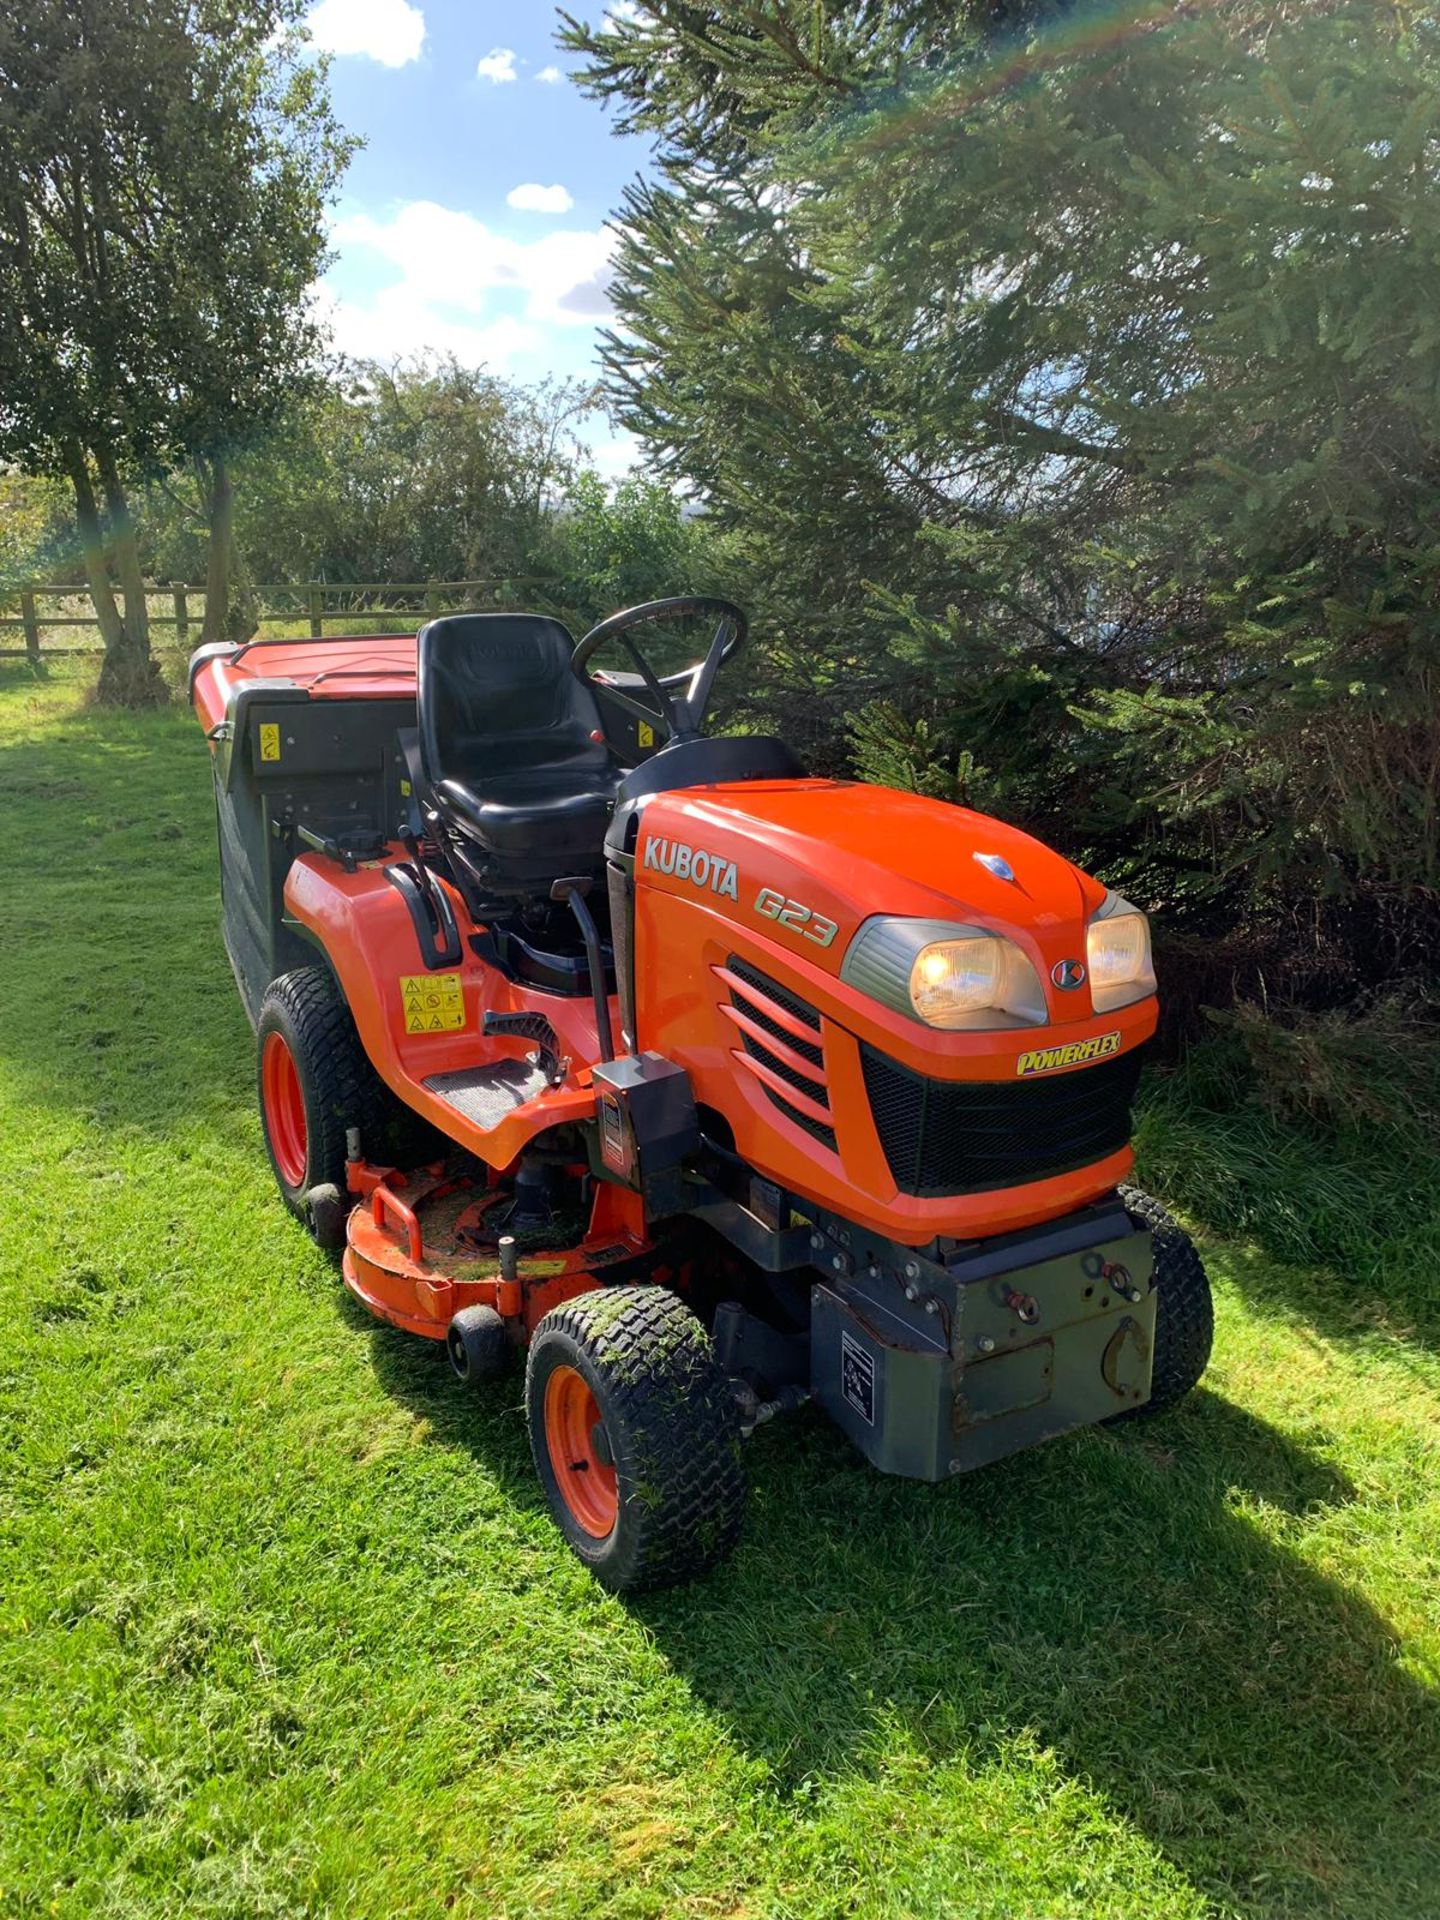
312 602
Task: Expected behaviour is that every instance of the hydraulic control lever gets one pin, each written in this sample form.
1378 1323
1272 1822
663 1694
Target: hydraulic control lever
345 849
575 891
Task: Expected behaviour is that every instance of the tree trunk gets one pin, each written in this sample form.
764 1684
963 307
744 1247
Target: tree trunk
218 553
125 548
229 602
128 675
92 545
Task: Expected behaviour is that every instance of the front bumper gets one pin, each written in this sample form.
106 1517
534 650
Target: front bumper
935 1367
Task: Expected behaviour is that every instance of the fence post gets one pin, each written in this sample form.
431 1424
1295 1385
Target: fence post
32 628
182 613
317 617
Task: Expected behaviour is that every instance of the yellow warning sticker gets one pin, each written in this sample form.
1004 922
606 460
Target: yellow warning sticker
434 1002
645 733
269 740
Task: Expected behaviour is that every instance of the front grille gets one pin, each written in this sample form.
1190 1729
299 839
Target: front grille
756 995
967 1136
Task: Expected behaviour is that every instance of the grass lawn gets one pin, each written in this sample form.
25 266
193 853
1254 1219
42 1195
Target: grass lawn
284 1628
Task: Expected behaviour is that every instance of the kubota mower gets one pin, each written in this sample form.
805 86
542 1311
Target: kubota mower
716 1087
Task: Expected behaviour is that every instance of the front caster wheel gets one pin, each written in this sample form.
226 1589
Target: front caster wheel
478 1346
635 1437
327 1211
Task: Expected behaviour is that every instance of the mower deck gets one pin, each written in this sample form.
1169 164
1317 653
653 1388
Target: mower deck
420 1248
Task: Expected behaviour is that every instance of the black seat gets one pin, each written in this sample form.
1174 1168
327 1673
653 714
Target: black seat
511 748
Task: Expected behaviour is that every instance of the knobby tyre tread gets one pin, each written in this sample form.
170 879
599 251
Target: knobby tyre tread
341 1088
672 1422
1184 1309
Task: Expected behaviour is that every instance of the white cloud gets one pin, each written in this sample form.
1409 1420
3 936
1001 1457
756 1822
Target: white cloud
550 76
392 325
390 31
624 13
450 267
498 65
531 198
615 455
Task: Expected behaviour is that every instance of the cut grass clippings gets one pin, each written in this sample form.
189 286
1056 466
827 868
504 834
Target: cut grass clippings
285 1630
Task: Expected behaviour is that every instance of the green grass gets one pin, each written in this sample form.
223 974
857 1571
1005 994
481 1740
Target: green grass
284 1628
1359 1192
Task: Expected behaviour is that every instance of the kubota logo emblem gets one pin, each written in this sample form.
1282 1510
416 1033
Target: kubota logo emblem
1068 974
701 869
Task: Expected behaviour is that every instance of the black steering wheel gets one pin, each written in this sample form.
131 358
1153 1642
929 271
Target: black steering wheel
678 712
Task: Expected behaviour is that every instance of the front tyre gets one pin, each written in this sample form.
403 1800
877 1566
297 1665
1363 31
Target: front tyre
1184 1311
635 1437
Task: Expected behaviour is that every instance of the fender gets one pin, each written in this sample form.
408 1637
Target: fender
412 1029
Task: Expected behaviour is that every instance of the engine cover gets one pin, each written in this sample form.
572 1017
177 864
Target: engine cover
746 898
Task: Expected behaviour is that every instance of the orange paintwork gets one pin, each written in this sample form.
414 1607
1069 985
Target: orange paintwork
845 851
283 1109
587 1482
848 852
388 1265
372 667
362 922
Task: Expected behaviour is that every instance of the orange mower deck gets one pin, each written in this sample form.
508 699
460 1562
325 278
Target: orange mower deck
417 1252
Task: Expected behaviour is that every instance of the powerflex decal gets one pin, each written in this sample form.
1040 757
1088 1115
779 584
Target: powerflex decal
1074 1053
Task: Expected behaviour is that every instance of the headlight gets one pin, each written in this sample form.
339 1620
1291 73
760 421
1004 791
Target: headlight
1118 955
943 975
956 977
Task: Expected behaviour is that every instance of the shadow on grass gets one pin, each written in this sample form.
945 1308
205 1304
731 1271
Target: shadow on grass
1125 1599
1115 1598
1403 1307
1122 1598
1341 1227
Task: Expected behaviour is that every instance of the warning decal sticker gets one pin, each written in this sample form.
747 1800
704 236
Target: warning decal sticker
269 740
857 1378
434 1002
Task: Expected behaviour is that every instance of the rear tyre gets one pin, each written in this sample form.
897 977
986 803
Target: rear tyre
1184 1311
478 1346
315 1081
635 1437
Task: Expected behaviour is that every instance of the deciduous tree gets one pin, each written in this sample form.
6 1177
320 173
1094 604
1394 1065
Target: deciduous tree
164 169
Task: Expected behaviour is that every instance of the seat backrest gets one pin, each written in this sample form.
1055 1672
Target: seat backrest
496 696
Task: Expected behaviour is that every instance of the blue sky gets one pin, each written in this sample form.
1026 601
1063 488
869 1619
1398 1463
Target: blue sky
473 221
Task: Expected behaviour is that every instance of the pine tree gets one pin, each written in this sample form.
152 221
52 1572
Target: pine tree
1069 380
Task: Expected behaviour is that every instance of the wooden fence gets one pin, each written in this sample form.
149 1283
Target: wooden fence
312 604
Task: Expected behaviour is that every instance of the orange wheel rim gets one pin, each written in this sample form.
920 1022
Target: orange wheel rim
284 1108
586 1479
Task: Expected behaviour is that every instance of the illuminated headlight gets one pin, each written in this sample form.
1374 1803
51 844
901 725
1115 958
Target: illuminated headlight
956 977
943 975
1118 955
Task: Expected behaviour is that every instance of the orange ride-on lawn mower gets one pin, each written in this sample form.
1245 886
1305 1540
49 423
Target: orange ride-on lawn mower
715 1087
